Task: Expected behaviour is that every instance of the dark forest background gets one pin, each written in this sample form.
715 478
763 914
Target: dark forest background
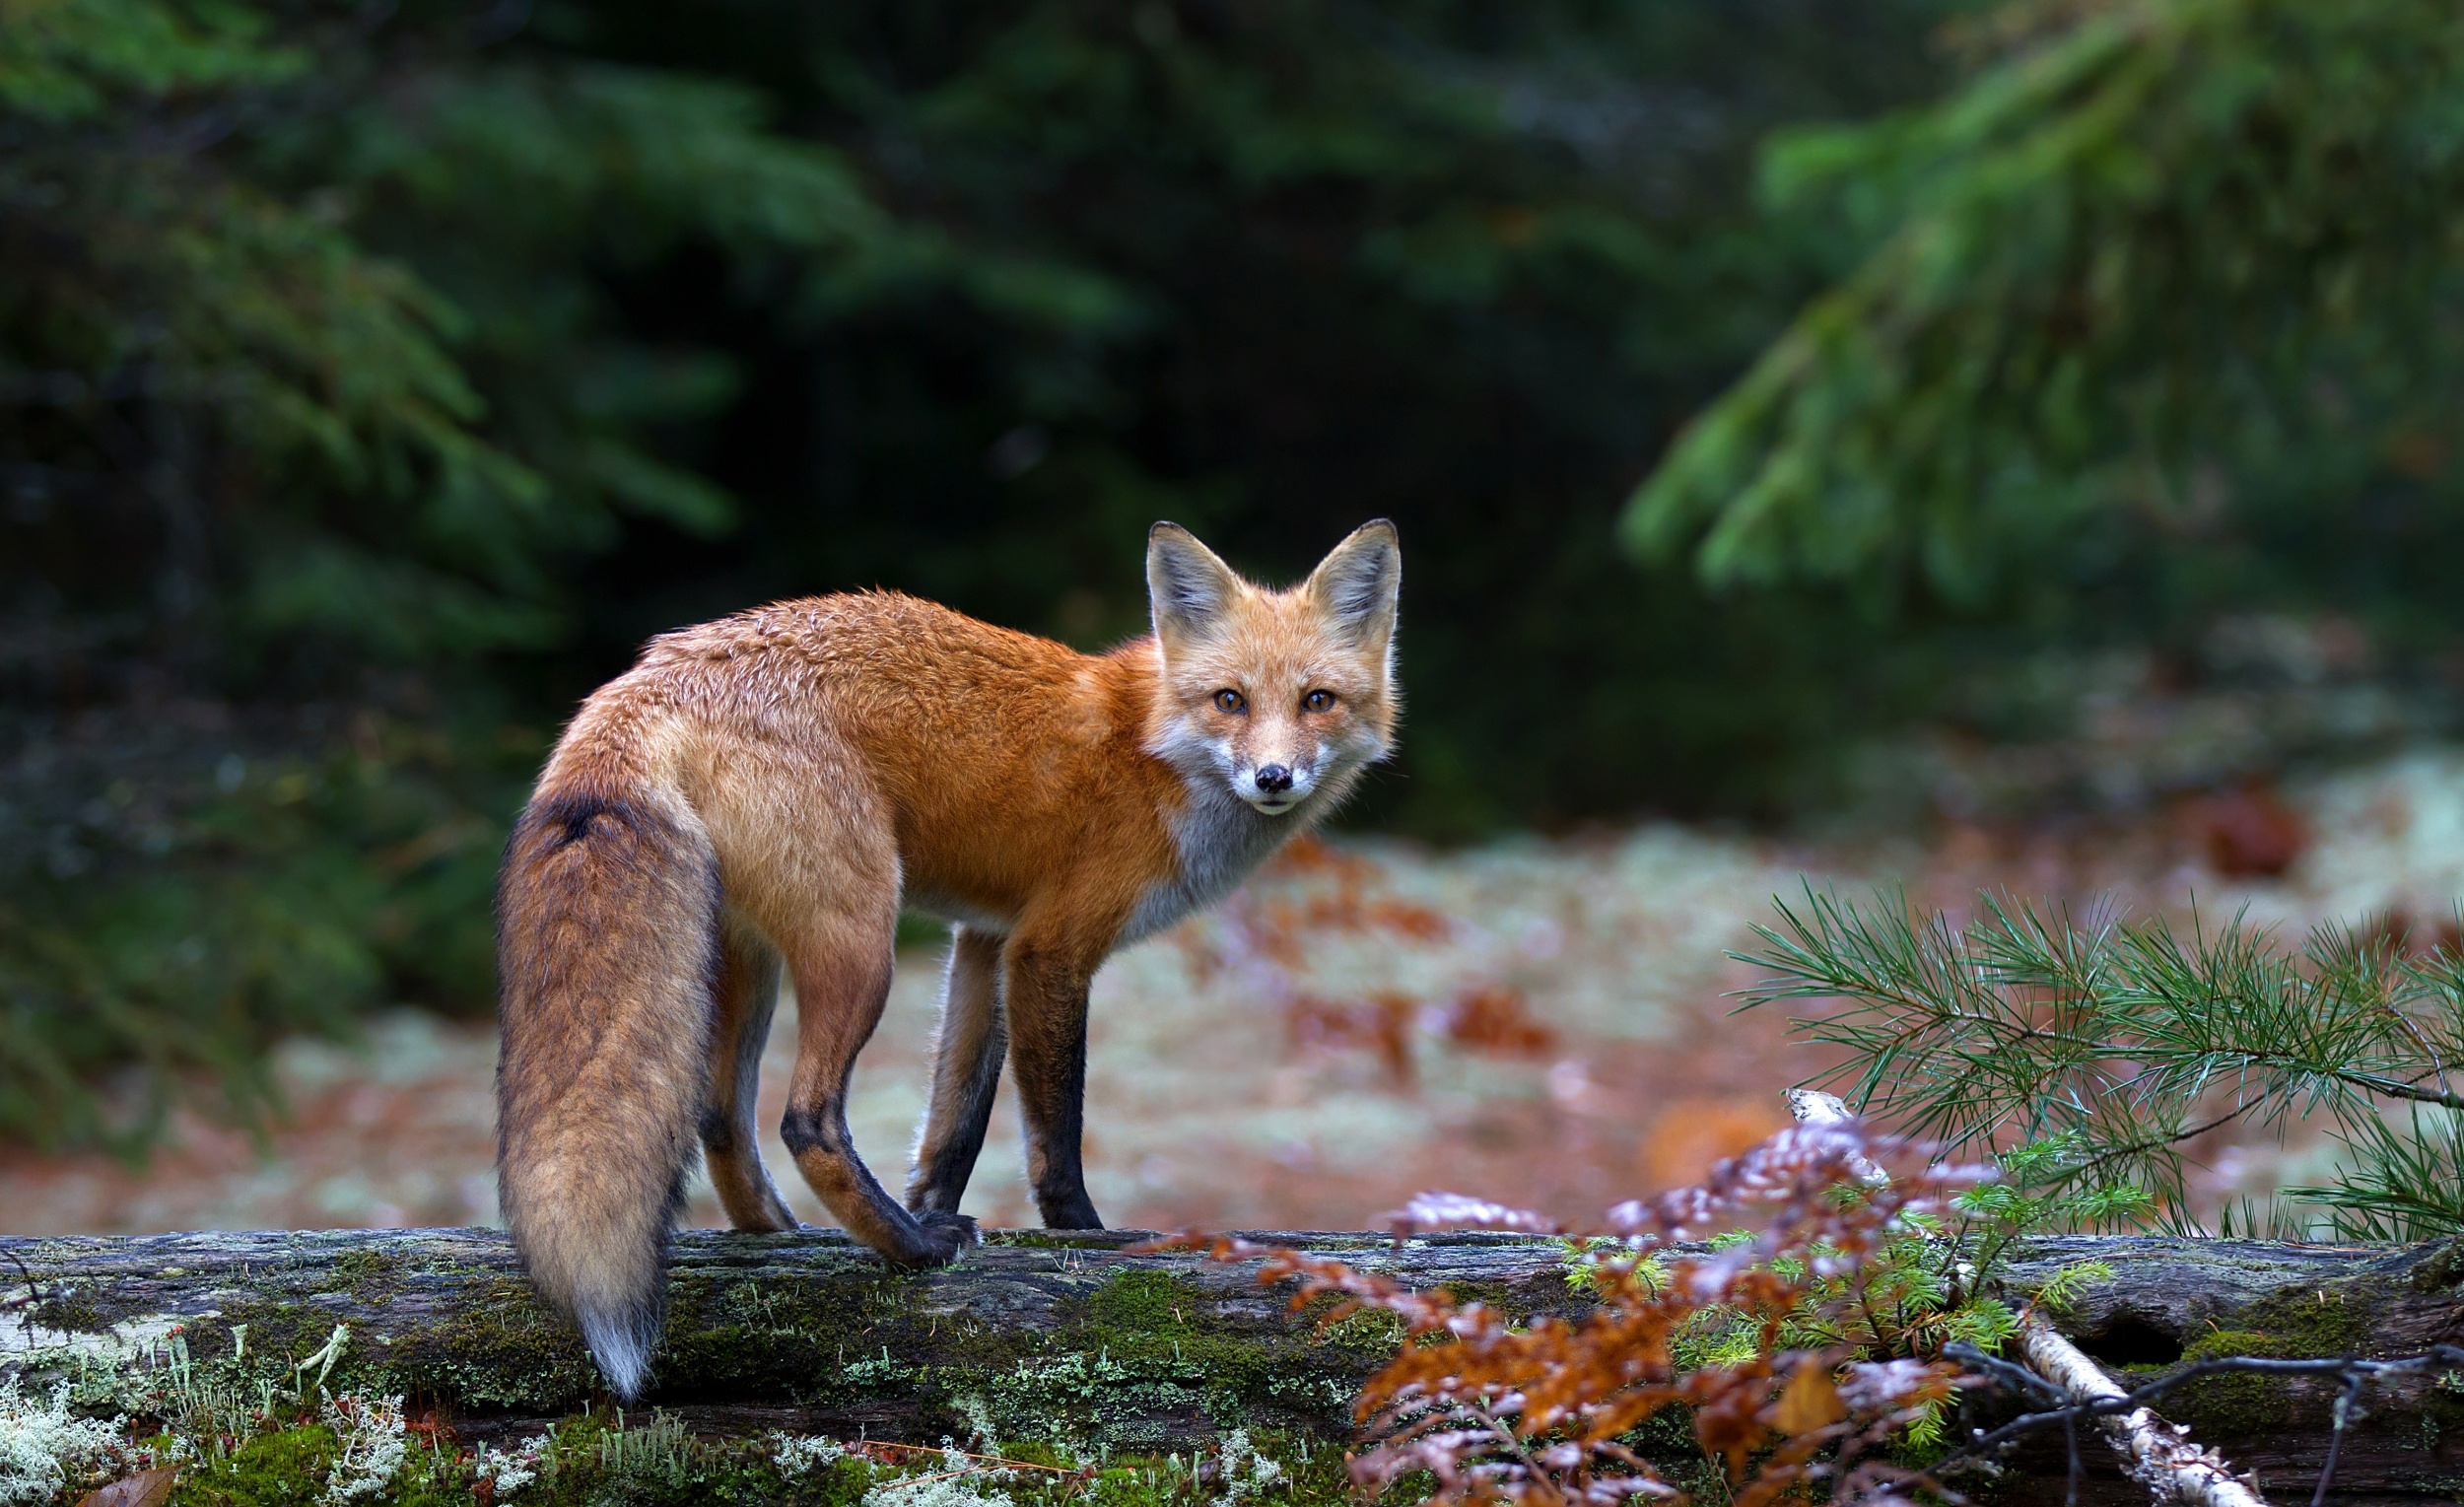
374 378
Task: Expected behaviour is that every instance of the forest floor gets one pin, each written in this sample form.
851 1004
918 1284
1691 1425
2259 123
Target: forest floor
1543 1022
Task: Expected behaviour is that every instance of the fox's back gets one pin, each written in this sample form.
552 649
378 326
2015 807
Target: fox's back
1000 756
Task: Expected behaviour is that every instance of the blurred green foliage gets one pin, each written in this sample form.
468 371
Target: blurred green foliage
312 392
2160 315
375 377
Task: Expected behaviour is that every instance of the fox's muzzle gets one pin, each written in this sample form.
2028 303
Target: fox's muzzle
1274 788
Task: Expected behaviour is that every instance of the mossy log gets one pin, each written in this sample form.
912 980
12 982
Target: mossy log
1040 1335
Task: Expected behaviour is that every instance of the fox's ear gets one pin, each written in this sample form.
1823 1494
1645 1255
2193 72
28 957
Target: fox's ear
1187 588
1358 584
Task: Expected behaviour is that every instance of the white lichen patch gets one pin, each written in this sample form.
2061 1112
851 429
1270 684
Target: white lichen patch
371 1441
510 1469
44 1447
959 1482
802 1454
1244 1472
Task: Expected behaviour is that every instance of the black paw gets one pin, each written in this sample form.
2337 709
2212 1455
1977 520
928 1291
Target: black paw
946 1234
1077 1214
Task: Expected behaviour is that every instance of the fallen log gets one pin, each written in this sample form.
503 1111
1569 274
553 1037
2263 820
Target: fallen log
1044 1335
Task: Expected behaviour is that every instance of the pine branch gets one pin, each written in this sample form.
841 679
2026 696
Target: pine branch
2122 1042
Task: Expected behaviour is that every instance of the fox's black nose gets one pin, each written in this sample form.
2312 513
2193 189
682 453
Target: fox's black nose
1274 778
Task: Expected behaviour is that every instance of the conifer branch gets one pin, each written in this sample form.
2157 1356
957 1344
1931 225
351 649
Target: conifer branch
2121 1044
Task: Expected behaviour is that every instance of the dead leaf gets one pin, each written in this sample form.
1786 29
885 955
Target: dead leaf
1809 1401
145 1488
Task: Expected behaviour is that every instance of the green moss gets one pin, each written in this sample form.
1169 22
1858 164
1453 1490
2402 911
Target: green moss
2233 1405
1131 1359
651 1460
286 1468
2441 1412
1145 1358
2442 1269
1146 1300
1496 1295
1054 1240
2309 1326
502 1350
807 1340
498 1349
1161 1327
1368 1337
276 1330
69 1313
370 1272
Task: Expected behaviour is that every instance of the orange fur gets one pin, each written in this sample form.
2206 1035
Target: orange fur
767 790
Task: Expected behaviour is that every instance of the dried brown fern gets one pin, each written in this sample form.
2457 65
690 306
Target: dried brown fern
1497 1409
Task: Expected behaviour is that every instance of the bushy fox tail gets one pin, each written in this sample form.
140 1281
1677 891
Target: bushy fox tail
607 944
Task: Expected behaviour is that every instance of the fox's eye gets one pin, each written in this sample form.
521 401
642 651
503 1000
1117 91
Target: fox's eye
1232 701
1318 701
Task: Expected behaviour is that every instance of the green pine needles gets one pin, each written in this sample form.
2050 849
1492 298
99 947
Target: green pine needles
2088 1057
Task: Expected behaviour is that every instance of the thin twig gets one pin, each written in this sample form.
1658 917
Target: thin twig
2335 1441
2009 1373
2078 1464
34 1296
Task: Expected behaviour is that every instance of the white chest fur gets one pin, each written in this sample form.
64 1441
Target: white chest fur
1222 838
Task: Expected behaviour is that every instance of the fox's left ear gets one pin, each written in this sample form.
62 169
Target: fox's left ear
1189 589
1358 584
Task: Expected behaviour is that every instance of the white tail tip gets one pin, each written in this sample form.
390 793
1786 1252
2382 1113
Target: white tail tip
621 1349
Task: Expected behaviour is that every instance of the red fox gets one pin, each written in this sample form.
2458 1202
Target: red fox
767 790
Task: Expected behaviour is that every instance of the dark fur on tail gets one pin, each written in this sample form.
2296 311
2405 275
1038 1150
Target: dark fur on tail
607 944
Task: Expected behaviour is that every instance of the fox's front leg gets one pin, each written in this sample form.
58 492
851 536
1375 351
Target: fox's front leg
1045 991
966 1071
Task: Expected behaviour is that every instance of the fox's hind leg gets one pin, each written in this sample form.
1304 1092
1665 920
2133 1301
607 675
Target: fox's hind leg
841 965
966 1070
809 853
747 993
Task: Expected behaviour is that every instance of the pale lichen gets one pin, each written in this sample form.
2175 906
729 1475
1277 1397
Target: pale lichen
44 1446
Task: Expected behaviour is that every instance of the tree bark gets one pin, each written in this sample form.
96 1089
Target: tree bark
1038 1334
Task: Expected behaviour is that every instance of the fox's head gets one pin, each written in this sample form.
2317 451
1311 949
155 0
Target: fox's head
1281 695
